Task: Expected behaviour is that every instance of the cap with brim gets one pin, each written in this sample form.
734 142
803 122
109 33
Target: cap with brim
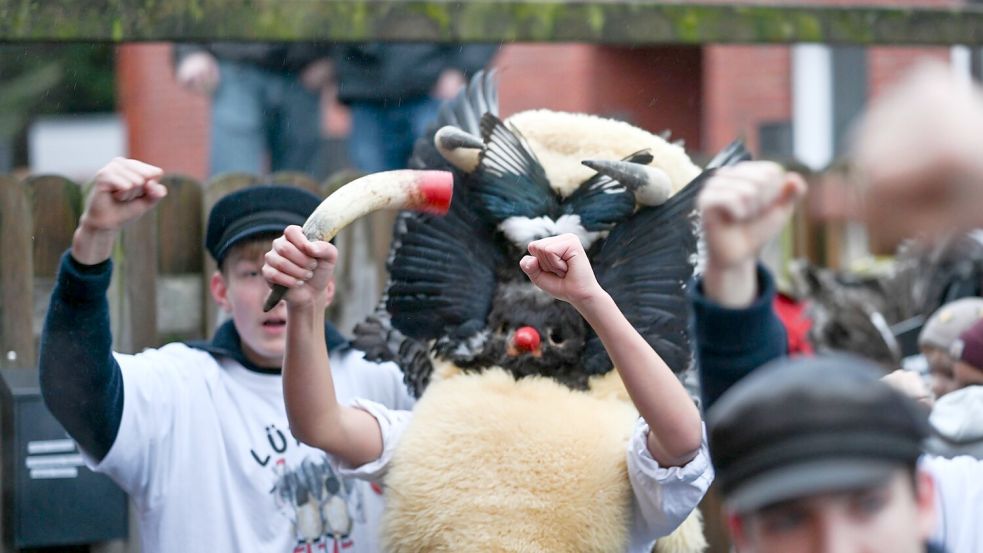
807 479
949 321
267 222
805 426
253 211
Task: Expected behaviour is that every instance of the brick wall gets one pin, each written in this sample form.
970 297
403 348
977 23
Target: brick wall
708 96
744 86
655 88
167 125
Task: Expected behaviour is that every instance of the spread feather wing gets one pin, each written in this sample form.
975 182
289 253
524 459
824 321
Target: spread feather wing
509 180
646 264
441 269
602 202
464 112
441 279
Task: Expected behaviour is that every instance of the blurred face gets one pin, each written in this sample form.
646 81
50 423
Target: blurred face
240 290
965 374
940 367
888 518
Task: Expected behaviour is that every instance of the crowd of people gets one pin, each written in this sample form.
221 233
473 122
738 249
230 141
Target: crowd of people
279 415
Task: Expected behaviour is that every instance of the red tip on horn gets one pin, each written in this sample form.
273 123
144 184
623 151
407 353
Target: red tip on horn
436 189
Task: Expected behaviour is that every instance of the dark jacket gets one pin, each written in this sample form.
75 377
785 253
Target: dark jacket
377 72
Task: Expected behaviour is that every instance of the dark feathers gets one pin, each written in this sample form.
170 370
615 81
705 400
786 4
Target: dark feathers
455 288
646 263
510 181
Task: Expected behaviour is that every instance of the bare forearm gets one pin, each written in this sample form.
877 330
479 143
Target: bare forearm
734 287
315 415
674 421
92 246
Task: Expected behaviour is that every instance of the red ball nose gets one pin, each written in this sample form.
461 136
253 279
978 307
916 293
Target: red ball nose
526 338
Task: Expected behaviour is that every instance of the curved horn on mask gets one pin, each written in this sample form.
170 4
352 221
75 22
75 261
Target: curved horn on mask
651 185
428 191
458 147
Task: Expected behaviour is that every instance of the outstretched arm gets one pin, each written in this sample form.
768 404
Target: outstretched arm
742 207
560 267
316 417
80 381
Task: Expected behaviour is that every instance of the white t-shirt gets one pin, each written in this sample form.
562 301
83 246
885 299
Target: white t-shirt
663 496
958 502
205 452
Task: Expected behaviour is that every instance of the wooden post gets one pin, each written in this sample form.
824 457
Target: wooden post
56 204
179 289
136 277
16 276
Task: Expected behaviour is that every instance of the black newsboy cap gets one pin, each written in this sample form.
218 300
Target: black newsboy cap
255 210
800 427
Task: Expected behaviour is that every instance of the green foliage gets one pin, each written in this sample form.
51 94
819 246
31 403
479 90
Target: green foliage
87 82
45 79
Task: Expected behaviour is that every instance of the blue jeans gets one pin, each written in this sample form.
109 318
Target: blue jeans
383 133
263 120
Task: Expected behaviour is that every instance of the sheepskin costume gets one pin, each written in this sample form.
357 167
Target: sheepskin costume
494 464
562 140
507 450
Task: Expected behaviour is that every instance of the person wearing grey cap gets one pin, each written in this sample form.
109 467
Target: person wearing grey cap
197 433
816 454
957 418
936 338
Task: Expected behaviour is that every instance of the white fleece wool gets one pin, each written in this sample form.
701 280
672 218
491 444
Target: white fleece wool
562 140
494 464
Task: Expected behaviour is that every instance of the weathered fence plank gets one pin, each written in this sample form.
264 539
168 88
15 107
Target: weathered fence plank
598 21
56 203
180 314
136 279
160 289
16 276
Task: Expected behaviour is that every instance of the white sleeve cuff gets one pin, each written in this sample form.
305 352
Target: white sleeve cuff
392 423
665 496
640 459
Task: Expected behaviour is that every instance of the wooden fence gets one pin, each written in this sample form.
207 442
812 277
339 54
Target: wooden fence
161 271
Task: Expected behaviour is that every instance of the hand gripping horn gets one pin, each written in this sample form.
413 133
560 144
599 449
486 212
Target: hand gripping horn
428 191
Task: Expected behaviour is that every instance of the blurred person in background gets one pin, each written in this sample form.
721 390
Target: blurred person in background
957 417
394 91
736 331
917 156
937 336
265 102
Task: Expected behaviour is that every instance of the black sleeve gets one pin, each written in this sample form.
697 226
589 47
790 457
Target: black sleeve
730 343
80 380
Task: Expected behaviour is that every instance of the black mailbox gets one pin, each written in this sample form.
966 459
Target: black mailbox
50 497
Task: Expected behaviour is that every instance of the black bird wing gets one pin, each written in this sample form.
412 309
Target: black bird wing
441 279
464 112
646 264
381 342
441 268
509 180
602 202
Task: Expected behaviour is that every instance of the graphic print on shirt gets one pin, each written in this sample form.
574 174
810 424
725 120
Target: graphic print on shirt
322 507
